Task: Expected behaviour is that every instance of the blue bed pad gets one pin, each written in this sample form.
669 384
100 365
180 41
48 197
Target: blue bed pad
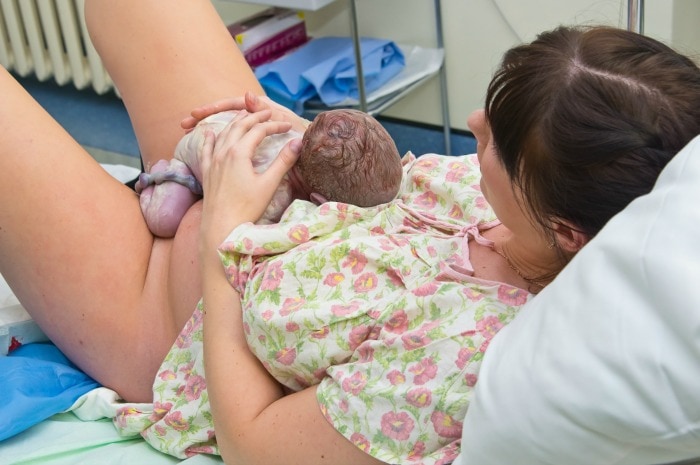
38 381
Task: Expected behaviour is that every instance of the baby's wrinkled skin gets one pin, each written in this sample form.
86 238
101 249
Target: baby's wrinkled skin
171 187
346 156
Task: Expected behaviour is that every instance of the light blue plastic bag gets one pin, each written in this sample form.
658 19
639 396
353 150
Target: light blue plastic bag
37 382
325 67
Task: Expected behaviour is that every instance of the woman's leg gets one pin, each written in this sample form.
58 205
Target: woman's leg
73 245
166 59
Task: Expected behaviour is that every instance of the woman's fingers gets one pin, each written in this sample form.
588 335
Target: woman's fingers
234 191
245 132
207 150
253 103
199 113
236 144
287 157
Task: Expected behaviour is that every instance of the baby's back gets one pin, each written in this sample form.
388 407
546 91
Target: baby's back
190 145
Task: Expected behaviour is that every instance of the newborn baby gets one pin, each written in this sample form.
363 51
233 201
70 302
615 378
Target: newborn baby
346 156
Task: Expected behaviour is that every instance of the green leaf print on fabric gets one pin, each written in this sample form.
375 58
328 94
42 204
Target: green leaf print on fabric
377 306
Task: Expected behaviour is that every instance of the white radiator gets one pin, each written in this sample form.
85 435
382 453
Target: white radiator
48 38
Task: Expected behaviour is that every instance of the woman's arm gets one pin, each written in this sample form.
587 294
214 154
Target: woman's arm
254 421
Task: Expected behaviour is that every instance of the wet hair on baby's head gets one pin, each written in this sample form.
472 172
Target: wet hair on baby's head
347 156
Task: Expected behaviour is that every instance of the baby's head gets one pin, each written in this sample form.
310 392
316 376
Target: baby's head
347 156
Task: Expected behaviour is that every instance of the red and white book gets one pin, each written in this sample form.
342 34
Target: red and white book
269 34
277 46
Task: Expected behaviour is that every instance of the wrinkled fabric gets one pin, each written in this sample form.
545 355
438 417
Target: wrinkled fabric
325 68
380 307
38 381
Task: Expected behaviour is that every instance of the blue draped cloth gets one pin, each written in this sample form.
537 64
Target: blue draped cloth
325 68
38 381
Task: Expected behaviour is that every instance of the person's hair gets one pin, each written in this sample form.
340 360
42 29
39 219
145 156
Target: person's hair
584 120
347 156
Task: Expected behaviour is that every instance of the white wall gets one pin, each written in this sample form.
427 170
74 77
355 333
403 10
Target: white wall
477 32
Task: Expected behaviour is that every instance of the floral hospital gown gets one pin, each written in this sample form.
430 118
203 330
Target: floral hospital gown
377 306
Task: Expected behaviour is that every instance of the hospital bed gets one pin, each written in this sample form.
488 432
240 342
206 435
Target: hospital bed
603 367
634 397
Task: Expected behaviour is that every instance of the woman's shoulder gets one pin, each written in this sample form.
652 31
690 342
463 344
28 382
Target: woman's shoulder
445 185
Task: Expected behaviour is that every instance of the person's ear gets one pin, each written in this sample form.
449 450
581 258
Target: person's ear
317 198
568 238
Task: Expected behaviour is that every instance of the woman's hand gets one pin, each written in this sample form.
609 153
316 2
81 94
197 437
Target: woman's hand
199 113
254 421
233 192
251 103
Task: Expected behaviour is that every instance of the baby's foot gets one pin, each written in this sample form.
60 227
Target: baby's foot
166 193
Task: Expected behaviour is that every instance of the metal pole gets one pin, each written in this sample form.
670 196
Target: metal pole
358 56
635 16
443 81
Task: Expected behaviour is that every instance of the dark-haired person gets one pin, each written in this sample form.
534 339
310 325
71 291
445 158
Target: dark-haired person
576 125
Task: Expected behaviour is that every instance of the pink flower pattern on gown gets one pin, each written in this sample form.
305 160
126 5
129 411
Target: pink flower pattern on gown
377 306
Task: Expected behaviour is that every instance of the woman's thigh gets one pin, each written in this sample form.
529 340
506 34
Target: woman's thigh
166 59
75 249
73 243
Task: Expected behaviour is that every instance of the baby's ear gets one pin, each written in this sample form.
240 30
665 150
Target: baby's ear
317 198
